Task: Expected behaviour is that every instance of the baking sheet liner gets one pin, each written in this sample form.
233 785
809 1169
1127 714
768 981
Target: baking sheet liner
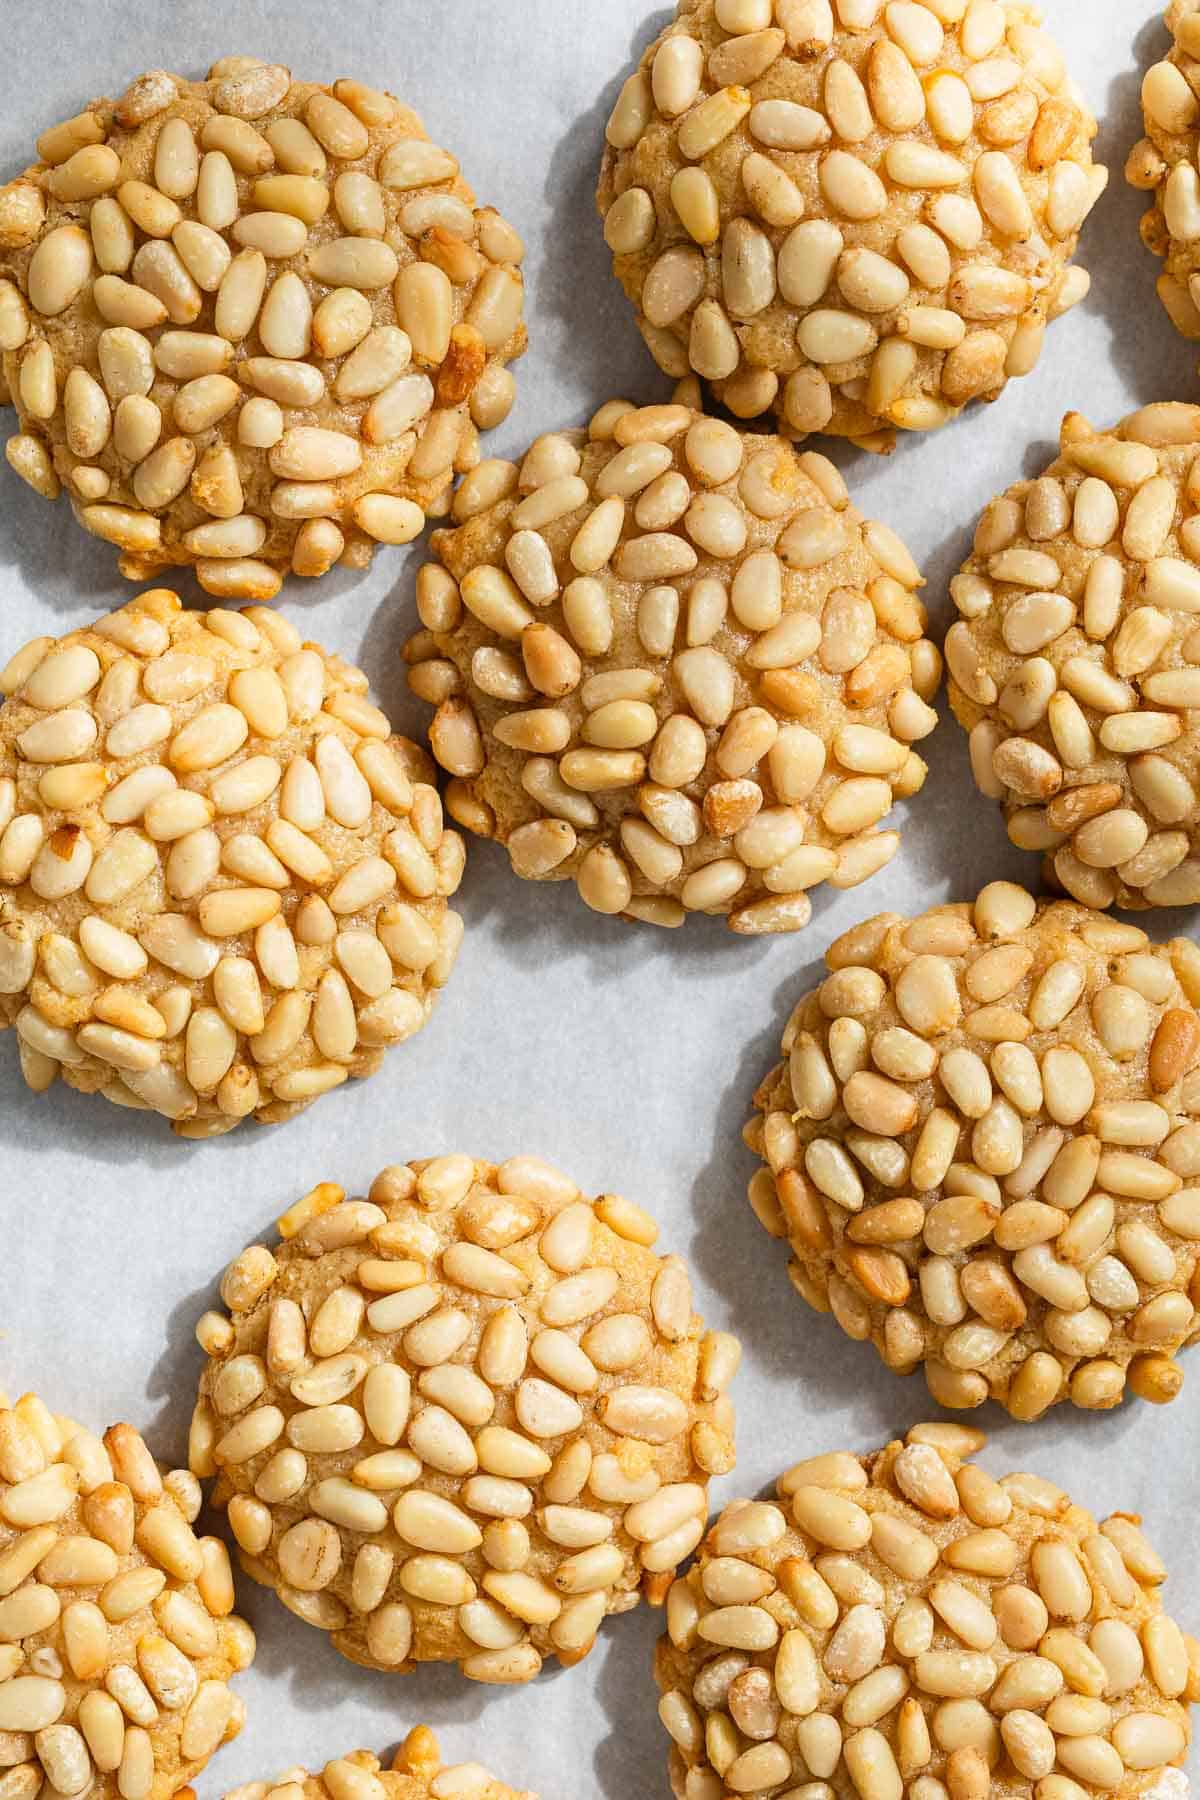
627 1056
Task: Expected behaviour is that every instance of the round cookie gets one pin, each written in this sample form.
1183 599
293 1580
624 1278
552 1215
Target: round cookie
465 1419
672 662
903 1623
858 215
417 1773
980 1147
223 880
1075 663
251 324
1164 163
117 1630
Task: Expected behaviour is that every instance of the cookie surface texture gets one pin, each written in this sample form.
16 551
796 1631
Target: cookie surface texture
252 324
465 1419
674 663
904 1623
223 879
981 1147
1163 164
1075 662
118 1633
858 215
417 1772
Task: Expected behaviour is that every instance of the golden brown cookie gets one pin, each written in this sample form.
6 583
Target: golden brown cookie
463 1420
1164 163
223 880
904 1624
1075 663
673 663
117 1630
981 1147
252 324
858 214
417 1773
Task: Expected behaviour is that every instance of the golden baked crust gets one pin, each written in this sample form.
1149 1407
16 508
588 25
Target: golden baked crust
858 214
674 663
981 1145
117 1630
223 880
252 324
464 1419
417 1773
1075 664
903 1623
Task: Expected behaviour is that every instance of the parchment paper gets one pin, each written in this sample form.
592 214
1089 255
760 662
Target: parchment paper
625 1055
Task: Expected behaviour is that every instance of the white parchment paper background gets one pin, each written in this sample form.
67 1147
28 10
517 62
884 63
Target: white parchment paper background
626 1056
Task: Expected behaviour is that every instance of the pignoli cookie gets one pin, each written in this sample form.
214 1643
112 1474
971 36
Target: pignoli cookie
859 214
1164 163
223 880
905 1624
117 1631
673 663
1075 661
252 325
464 1419
982 1147
416 1773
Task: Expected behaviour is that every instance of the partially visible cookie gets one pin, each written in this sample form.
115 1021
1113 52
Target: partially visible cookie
417 1773
464 1419
1075 663
904 1624
1163 163
858 215
117 1631
982 1147
251 324
673 663
223 880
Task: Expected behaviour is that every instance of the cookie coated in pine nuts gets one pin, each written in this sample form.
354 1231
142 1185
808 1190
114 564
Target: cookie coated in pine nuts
982 1147
223 879
858 214
1163 163
1075 662
252 325
463 1420
673 663
117 1630
417 1773
904 1624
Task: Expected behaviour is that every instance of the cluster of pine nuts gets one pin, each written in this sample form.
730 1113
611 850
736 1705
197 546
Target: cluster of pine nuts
223 880
904 1624
672 662
1075 663
117 1629
464 1419
858 213
982 1147
1165 163
417 1773
251 324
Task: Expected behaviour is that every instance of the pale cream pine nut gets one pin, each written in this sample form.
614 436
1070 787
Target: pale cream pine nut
388 518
